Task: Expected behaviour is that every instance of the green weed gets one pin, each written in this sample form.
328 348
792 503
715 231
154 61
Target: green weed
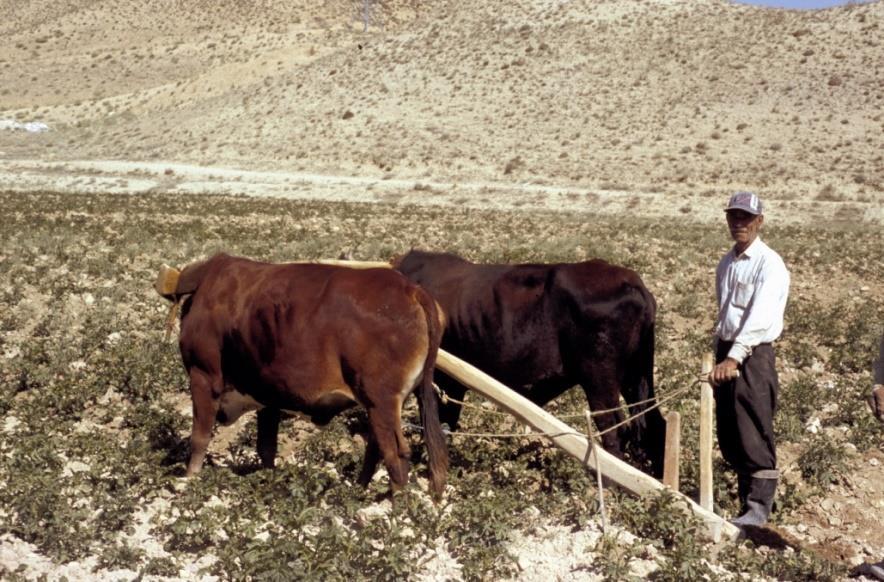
87 387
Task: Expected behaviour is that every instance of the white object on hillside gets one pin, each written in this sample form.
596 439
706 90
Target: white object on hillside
28 126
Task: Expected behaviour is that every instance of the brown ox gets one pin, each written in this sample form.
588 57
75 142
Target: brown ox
541 329
313 339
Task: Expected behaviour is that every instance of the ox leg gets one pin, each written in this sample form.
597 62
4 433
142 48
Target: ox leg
610 440
372 457
268 435
391 443
204 391
449 412
605 396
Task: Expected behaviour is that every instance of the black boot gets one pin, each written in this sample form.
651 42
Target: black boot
743 480
759 502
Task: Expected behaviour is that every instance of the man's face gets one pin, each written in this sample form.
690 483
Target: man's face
744 226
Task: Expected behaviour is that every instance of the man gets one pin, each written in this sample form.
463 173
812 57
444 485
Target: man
752 286
876 398
876 401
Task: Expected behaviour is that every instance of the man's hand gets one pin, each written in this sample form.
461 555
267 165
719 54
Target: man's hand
876 401
726 370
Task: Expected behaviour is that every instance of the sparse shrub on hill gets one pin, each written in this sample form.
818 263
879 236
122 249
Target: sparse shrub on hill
503 80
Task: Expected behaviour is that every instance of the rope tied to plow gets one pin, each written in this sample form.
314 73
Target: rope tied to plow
445 398
173 314
591 435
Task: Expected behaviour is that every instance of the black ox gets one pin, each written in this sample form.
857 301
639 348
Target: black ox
541 329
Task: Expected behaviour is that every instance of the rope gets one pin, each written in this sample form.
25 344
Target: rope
659 402
533 434
509 435
591 435
593 449
445 398
671 396
170 319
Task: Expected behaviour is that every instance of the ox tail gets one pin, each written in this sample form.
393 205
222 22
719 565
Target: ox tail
652 428
428 400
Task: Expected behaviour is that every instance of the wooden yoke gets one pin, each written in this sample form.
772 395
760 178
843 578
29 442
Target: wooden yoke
167 280
166 283
351 264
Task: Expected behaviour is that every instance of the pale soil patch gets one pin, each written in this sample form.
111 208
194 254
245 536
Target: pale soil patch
15 554
131 177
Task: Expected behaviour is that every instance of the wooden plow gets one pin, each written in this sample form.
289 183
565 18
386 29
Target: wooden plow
575 444
570 440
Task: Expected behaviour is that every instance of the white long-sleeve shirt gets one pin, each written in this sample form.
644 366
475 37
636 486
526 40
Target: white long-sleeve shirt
752 291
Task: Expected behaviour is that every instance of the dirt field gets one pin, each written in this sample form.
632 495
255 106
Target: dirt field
534 130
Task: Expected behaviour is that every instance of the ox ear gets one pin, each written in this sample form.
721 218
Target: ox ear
396 260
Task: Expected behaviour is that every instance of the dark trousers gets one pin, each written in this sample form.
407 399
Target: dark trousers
744 410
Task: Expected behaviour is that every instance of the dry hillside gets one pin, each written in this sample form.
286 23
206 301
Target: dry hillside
654 96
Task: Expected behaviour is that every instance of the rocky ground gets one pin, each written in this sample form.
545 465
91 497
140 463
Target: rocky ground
655 108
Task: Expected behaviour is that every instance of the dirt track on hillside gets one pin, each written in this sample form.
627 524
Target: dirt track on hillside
125 177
